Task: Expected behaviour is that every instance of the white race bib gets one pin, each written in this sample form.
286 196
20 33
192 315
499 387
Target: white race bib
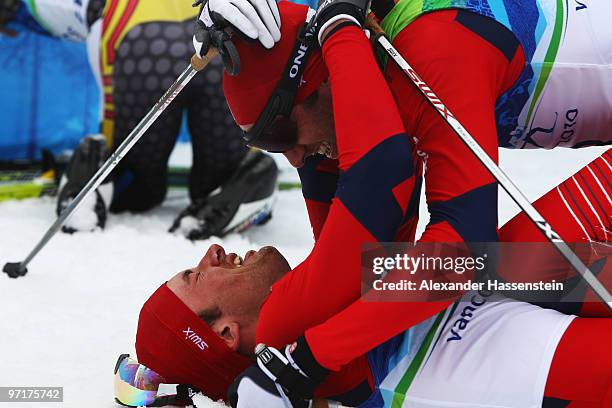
571 97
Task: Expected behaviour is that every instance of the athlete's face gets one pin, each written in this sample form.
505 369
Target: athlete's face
315 124
227 290
315 127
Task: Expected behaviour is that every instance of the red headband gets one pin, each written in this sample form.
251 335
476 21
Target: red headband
178 345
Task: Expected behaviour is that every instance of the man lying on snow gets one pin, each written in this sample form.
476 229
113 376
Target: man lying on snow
201 328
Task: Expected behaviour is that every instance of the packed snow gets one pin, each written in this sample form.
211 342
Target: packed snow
66 322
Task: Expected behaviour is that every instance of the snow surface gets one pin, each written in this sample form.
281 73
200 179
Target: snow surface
66 322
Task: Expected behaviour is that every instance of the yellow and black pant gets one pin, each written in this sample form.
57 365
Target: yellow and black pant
145 45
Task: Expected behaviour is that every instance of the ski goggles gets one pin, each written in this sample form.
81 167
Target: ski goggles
137 385
274 131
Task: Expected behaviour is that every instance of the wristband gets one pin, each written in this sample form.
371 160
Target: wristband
338 27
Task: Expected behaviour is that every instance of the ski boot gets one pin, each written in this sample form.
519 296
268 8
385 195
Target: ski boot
86 160
246 199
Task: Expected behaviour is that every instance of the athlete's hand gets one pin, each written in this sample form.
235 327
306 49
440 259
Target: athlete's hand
256 19
336 13
279 379
254 389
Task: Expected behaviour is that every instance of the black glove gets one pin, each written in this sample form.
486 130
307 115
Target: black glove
352 12
279 379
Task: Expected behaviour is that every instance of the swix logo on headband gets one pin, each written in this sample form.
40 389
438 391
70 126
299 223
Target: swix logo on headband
194 338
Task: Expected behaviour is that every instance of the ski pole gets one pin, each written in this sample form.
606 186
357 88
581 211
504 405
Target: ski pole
502 178
17 269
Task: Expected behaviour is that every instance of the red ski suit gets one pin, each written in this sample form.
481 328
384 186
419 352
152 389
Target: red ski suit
372 192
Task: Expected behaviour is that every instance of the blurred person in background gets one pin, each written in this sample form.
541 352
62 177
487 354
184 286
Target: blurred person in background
136 52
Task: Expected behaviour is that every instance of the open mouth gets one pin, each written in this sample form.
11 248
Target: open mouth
235 259
239 260
221 257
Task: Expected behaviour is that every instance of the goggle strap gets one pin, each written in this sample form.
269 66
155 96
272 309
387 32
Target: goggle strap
171 394
119 360
295 67
282 98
